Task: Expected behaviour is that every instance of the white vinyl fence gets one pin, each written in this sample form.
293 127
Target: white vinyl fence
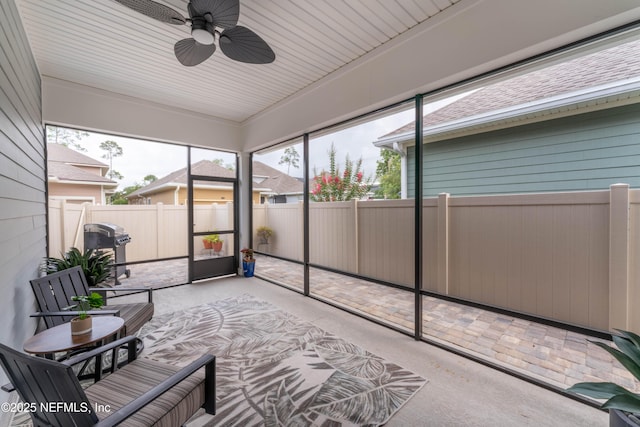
157 231
571 257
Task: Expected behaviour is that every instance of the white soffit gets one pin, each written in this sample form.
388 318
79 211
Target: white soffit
105 45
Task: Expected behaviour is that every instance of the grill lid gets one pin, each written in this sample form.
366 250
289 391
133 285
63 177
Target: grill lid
104 228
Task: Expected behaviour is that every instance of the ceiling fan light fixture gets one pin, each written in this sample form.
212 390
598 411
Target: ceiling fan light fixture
200 33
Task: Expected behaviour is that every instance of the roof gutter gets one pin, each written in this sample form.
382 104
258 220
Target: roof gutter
67 181
629 87
396 147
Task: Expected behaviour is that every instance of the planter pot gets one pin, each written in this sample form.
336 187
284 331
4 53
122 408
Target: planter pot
81 326
217 246
207 244
620 419
248 268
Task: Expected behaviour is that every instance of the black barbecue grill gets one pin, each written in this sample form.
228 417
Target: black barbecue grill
109 236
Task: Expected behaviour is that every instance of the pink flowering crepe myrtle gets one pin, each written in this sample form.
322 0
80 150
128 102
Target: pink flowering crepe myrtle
333 186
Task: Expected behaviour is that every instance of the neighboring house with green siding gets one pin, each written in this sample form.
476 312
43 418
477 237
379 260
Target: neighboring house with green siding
568 127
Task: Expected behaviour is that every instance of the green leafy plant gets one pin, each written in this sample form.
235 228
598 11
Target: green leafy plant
86 303
213 238
617 396
335 185
95 264
264 233
389 171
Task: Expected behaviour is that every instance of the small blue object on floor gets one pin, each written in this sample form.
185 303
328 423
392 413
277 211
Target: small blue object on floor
248 267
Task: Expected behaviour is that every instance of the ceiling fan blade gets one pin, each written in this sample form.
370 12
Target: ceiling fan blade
155 10
242 44
223 12
189 52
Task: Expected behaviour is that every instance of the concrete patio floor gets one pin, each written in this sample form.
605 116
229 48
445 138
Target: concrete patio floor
556 356
459 392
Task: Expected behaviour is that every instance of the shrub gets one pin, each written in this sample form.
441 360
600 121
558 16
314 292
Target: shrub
95 264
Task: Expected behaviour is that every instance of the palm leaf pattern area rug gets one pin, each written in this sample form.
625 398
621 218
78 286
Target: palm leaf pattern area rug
273 369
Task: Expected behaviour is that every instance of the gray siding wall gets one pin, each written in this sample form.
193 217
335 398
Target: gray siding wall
584 152
22 181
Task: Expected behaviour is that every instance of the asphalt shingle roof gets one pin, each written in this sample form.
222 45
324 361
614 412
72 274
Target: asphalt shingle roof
203 167
276 181
606 66
67 172
62 161
61 153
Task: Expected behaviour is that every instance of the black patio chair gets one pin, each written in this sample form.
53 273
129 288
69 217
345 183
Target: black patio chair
53 294
142 393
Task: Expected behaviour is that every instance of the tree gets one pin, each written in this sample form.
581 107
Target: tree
112 150
65 136
335 185
388 171
149 179
114 174
290 158
120 197
220 163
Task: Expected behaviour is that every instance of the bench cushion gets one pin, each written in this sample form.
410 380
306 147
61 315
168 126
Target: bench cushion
171 409
134 315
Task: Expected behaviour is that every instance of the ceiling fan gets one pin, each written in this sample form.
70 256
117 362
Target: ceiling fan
211 21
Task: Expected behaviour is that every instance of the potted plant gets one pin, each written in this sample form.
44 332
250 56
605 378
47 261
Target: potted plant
213 241
95 264
248 262
216 243
264 233
82 324
623 405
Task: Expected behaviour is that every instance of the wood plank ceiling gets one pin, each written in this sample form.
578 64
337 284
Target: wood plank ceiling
105 45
